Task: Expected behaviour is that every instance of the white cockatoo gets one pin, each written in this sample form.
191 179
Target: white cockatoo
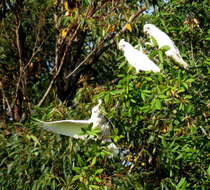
73 128
164 40
137 59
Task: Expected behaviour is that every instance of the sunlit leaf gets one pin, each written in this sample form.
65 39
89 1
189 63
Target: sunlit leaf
128 27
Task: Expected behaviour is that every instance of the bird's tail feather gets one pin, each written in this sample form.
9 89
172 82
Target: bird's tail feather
179 60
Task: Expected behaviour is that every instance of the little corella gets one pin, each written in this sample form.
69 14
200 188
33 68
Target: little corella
137 59
164 40
73 128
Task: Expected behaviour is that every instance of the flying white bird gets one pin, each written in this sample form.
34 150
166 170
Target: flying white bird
73 128
137 59
164 40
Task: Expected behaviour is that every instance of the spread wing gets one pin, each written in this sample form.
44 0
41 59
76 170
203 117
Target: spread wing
71 128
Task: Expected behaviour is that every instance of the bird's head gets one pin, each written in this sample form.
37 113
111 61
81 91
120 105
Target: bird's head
122 44
148 28
96 109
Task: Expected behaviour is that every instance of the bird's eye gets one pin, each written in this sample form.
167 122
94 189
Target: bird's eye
123 45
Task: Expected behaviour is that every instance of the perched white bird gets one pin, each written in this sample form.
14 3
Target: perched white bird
164 40
137 59
73 128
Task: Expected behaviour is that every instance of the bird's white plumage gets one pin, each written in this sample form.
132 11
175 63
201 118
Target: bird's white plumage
73 128
164 40
137 59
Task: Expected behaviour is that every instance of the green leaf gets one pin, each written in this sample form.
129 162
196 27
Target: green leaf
165 48
154 42
160 54
208 171
76 169
151 139
182 184
76 177
157 104
9 167
99 171
93 161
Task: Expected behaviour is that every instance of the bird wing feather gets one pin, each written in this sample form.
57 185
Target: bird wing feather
71 128
163 39
140 61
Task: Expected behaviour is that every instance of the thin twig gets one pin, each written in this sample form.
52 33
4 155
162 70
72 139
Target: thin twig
59 68
107 37
23 68
20 59
35 51
61 40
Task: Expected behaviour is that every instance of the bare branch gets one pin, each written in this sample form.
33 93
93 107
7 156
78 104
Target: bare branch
35 51
59 68
19 47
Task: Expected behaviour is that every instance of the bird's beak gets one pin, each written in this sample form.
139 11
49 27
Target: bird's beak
99 102
121 46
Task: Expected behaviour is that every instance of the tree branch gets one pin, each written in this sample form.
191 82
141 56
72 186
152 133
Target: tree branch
19 44
59 68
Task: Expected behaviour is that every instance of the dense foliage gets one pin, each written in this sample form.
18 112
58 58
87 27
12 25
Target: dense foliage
162 118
